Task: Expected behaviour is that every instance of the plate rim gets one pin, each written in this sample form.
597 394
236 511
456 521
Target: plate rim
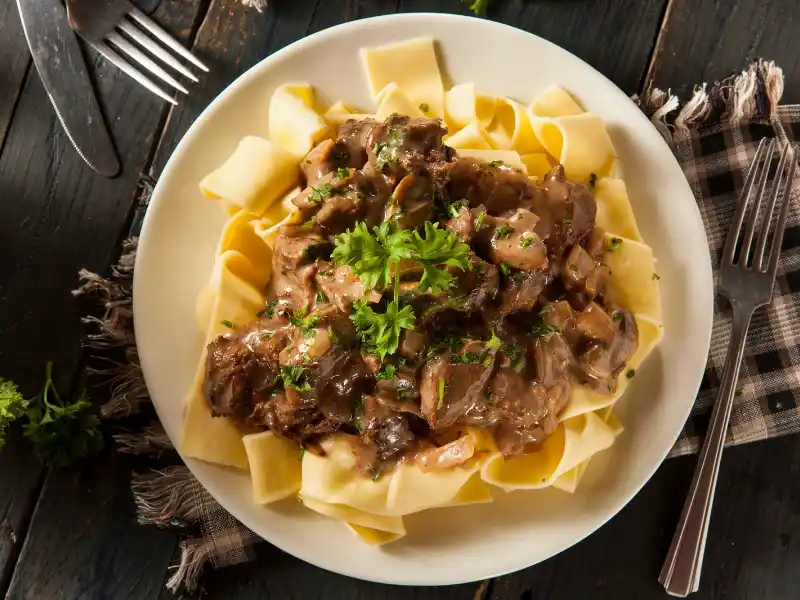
299 46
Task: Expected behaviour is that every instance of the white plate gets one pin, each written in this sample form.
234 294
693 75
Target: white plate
453 545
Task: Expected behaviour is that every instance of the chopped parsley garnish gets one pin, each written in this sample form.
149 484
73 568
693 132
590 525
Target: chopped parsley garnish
592 180
227 323
376 477
333 335
453 208
322 296
304 321
614 245
424 107
466 358
301 453
310 223
487 393
494 343
573 267
387 371
495 163
267 335
479 221
656 276
505 269
342 172
618 317
295 378
442 392
503 231
319 194
268 310
630 373
567 221
525 241
544 329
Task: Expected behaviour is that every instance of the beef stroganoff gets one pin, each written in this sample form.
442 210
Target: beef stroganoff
412 305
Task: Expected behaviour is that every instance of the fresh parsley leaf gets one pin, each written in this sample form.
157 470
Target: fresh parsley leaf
526 240
454 207
380 332
614 245
319 194
494 343
269 310
371 255
296 378
503 231
544 329
387 371
61 432
439 247
304 321
12 406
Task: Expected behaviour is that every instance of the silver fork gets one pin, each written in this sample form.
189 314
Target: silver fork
747 283
112 26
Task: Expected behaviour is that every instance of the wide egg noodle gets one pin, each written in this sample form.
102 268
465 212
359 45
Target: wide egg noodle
334 478
412 490
511 128
413 66
257 174
293 122
568 482
537 163
339 112
474 491
584 400
634 281
508 157
393 100
235 301
471 137
464 105
573 442
555 102
274 466
614 211
373 537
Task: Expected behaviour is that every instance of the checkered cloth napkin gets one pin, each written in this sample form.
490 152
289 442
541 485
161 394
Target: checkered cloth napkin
713 136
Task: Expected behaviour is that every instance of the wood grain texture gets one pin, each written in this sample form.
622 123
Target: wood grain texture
56 217
753 542
278 576
16 60
704 41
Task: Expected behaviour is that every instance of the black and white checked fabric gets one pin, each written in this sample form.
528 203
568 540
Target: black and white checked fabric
713 136
715 151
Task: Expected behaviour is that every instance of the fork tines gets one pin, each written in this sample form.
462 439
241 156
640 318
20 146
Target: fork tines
759 184
134 26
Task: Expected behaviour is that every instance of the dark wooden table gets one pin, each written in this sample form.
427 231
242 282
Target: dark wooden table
72 533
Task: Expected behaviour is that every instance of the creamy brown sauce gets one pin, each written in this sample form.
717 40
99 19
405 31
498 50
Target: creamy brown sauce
500 350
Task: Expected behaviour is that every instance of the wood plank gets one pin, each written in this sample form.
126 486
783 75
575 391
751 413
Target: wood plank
278 576
15 60
705 41
615 36
753 542
58 217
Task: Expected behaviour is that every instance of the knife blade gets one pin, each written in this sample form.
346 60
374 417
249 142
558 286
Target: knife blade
60 64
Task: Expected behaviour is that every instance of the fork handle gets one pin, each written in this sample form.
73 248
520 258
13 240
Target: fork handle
680 574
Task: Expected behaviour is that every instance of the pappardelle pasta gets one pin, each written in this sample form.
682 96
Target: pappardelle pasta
416 303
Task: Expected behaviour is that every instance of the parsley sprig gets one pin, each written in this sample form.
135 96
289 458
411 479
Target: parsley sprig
375 258
60 431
